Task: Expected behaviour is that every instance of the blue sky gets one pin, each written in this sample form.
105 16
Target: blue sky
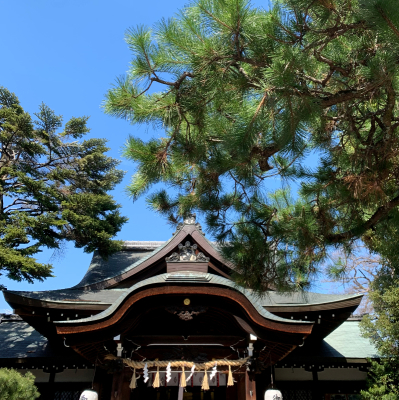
67 54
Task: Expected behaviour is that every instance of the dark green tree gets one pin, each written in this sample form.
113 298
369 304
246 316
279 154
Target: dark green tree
382 326
53 187
246 96
14 386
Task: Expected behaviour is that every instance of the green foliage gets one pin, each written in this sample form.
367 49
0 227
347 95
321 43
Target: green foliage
52 189
246 96
14 386
383 381
382 328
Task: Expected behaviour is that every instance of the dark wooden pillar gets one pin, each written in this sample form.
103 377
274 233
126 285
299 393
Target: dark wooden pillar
250 387
49 392
120 385
102 383
246 387
231 392
315 386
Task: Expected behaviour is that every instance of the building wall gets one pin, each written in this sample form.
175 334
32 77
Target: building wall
328 374
292 374
68 375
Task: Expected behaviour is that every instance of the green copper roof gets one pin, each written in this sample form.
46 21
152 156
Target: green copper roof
348 342
345 343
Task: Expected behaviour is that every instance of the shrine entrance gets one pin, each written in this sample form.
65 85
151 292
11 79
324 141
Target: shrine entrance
185 321
158 308
186 324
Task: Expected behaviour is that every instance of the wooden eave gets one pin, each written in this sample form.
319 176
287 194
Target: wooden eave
16 301
353 301
266 322
220 296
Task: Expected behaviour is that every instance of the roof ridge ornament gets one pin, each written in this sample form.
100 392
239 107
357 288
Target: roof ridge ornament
187 254
190 219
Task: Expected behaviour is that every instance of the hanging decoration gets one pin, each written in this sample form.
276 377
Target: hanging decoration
214 371
205 383
168 373
230 381
192 373
179 364
145 371
183 379
133 384
156 380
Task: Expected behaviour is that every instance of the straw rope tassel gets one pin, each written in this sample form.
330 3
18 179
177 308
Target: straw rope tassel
133 384
156 380
230 378
205 384
183 378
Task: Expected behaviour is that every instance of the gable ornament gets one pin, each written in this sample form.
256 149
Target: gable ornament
187 254
186 313
190 219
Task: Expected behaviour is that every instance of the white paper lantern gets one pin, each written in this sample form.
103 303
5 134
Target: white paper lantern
273 394
89 394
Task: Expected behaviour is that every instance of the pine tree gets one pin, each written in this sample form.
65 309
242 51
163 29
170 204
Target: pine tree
53 188
246 96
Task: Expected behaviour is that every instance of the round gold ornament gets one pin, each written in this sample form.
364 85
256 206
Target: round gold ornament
187 302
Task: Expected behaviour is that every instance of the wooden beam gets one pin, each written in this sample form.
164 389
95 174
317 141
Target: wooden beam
146 340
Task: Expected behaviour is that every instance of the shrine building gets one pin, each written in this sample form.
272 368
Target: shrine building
164 320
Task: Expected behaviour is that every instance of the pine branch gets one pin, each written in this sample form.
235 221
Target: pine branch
371 223
388 21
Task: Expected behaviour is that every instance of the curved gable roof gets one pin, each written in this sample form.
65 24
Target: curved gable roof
137 256
133 252
187 278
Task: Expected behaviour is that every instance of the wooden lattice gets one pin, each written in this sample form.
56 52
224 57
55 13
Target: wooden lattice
67 395
297 395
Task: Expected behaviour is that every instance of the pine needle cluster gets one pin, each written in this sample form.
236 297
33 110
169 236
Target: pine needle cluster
246 96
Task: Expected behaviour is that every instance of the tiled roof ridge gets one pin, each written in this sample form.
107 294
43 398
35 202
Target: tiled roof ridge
142 244
356 317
